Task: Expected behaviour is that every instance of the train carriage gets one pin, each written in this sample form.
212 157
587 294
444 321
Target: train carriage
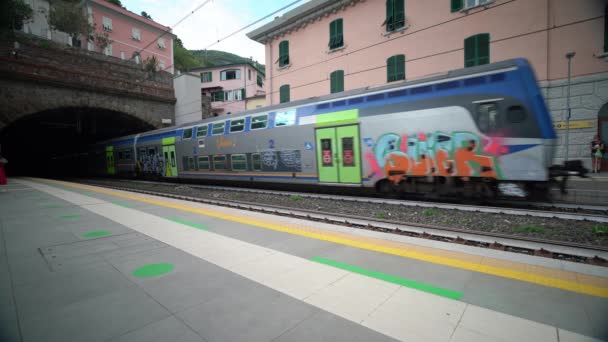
483 129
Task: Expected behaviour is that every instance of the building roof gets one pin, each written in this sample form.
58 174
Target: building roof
135 16
227 65
297 17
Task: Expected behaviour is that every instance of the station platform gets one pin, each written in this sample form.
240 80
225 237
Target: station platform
83 263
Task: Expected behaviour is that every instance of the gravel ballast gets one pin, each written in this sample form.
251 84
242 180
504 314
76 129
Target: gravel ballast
582 232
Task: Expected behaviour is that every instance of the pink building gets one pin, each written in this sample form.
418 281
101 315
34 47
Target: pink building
133 36
327 46
230 86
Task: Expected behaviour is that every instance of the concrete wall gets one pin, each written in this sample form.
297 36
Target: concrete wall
188 107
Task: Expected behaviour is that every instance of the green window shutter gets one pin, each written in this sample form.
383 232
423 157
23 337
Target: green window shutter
332 34
606 29
202 74
390 67
284 93
456 5
483 48
390 4
243 94
336 39
283 53
477 50
400 67
339 33
337 81
399 14
210 76
469 51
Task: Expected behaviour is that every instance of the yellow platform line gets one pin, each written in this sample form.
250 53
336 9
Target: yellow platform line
565 280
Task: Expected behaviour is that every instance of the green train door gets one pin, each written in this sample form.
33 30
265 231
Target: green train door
110 160
338 154
170 157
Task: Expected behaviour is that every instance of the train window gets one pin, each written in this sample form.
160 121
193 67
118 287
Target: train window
256 161
172 158
218 128
239 162
287 118
128 155
487 117
219 162
120 155
516 114
259 122
237 125
201 131
187 133
203 163
191 163
201 143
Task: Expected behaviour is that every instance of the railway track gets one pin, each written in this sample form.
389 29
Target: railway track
563 250
551 210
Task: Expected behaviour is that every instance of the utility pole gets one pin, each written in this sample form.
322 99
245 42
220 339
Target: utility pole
569 55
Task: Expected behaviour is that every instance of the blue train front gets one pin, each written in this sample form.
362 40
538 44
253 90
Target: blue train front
482 131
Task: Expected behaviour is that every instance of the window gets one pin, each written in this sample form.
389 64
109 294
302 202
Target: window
201 131
230 75
218 128
237 125
161 43
256 161
161 64
108 50
203 163
187 133
106 24
284 93
287 118
122 55
337 81
137 59
219 163
206 77
259 122
239 162
477 50
135 34
260 81
516 114
249 74
234 95
487 117
606 29
395 15
395 68
336 38
283 53
217 96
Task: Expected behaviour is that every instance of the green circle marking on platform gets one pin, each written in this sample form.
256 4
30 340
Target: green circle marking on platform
153 270
96 233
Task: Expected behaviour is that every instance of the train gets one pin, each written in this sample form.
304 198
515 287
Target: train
478 131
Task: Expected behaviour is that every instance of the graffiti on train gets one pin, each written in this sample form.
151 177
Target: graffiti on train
151 163
462 154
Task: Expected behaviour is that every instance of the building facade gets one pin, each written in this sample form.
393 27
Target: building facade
230 86
328 46
188 105
132 36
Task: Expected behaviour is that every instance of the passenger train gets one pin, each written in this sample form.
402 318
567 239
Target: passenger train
481 130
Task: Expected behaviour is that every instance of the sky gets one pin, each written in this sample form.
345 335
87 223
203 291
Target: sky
213 21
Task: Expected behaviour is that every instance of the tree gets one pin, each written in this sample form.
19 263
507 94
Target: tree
102 40
69 16
13 13
151 64
146 15
183 59
116 2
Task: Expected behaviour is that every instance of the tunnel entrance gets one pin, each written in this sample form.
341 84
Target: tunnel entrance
55 143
